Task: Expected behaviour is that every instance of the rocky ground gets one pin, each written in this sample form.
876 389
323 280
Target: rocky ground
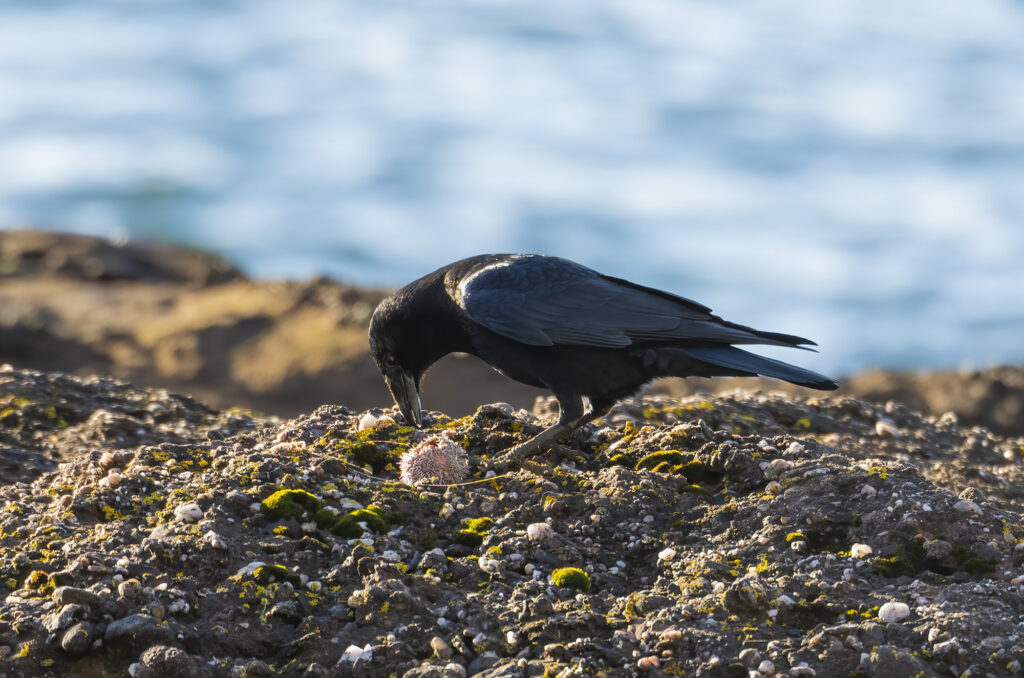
739 535
169 317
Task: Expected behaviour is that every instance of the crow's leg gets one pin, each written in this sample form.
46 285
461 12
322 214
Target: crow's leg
570 413
570 418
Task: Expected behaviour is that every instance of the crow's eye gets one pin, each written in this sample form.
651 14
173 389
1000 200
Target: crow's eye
390 360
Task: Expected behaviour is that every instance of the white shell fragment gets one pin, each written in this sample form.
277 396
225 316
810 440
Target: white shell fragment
215 540
860 550
354 653
666 555
539 531
367 421
893 612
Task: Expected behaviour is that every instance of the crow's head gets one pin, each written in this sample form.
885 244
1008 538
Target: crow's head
398 354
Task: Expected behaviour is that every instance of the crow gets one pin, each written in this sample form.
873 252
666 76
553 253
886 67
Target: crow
552 323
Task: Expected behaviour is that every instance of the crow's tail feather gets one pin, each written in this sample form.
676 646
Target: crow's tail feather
738 360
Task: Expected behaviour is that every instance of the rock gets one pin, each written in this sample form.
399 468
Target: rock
745 596
889 661
137 631
69 595
287 611
61 619
539 531
727 596
78 639
441 647
168 662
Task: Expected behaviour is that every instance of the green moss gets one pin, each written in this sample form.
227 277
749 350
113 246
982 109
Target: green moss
897 564
265 574
694 489
571 577
468 538
654 459
367 454
289 504
698 471
348 525
795 536
617 460
325 519
478 524
347 528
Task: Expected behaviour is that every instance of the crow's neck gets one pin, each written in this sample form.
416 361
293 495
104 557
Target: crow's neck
441 329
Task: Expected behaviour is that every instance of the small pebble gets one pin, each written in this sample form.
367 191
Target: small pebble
367 421
648 663
887 428
441 647
750 657
112 479
215 540
777 467
129 588
666 555
456 669
767 667
967 506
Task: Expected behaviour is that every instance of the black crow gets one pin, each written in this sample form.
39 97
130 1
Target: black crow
556 324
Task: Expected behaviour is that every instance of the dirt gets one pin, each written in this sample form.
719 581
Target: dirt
736 535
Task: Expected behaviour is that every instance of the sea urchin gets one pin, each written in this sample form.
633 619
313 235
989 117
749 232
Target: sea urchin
436 457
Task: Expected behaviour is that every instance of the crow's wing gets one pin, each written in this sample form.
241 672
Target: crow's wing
544 301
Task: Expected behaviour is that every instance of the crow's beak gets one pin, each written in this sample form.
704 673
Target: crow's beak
406 394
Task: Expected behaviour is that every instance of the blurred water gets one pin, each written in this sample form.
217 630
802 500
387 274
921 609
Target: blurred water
851 170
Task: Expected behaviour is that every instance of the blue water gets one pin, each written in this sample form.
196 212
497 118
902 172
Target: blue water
850 170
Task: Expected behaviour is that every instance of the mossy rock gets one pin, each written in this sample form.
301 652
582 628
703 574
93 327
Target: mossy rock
469 538
655 459
367 454
478 524
697 471
289 504
695 489
325 519
265 574
349 527
572 578
617 460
